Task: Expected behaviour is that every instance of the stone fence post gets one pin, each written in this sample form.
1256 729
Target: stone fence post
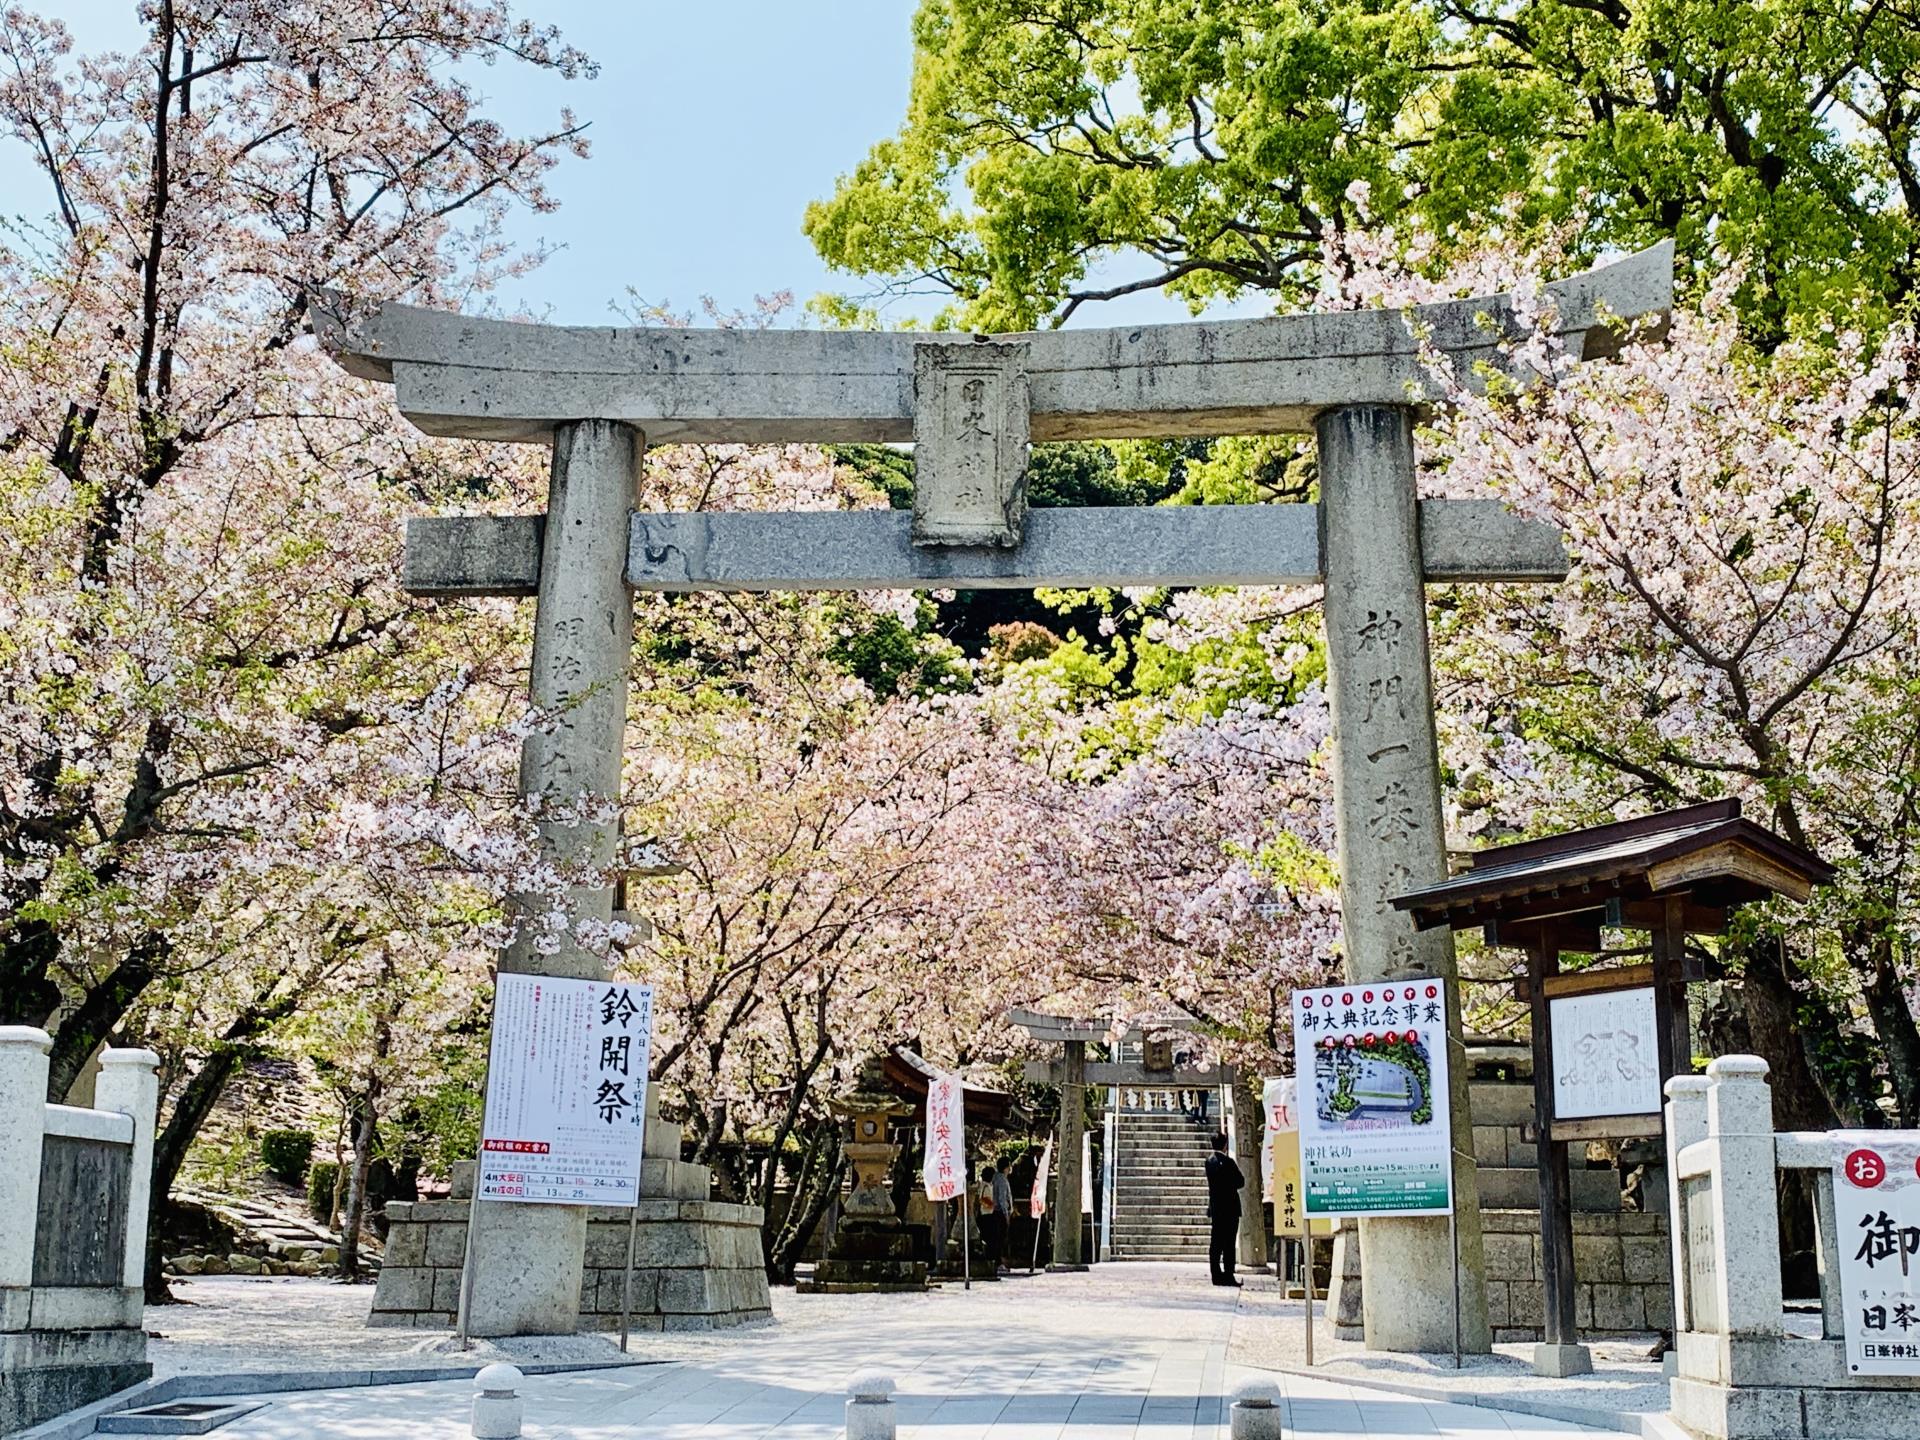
129 1083
1686 1125
1746 1219
870 1409
23 1127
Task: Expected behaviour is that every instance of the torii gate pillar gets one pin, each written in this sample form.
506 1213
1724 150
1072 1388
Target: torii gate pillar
1067 1216
525 1261
1391 837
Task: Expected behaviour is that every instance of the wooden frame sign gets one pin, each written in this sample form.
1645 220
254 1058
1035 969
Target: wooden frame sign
1606 1059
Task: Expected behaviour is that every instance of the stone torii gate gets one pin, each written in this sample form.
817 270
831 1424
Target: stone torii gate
971 404
1071 1075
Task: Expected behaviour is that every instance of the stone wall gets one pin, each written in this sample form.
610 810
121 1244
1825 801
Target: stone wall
74 1193
696 1265
1622 1266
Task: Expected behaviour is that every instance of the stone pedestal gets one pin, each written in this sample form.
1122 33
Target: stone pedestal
697 1263
1386 787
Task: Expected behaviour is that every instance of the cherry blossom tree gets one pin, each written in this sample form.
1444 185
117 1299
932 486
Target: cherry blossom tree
205 642
1741 620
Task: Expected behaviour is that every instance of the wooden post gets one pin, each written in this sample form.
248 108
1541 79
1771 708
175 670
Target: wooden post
1673 1033
1066 1214
1561 1353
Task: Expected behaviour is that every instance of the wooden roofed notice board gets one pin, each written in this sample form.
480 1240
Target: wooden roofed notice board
1607 1036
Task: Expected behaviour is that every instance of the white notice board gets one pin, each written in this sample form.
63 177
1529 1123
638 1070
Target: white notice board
566 1091
1606 1054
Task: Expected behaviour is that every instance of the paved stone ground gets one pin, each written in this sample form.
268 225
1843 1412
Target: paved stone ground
1123 1352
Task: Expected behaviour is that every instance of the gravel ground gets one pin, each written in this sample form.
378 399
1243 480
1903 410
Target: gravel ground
1269 1334
243 1323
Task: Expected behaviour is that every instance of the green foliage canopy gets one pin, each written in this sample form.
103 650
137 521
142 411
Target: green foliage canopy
1216 146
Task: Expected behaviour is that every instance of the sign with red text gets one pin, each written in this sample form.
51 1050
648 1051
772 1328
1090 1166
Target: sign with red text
1370 1064
1876 1206
945 1171
566 1108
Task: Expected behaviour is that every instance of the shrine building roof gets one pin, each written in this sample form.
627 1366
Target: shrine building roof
907 1075
1622 873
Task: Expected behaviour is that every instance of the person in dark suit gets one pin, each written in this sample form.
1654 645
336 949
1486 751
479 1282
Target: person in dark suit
1224 1183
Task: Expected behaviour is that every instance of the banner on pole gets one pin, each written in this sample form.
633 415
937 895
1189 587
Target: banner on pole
1086 1172
1280 1156
1043 1173
1876 1210
945 1171
566 1105
1370 1061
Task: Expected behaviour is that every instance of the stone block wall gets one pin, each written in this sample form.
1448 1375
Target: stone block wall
696 1262
696 1266
1622 1267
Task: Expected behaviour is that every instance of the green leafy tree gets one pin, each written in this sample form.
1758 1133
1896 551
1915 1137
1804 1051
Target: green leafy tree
1210 150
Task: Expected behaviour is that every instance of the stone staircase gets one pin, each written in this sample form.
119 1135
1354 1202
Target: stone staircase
1160 1188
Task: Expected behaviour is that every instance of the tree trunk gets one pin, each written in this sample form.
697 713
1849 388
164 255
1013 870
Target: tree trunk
814 1189
1886 998
100 1011
363 1116
1792 1031
339 1171
190 1112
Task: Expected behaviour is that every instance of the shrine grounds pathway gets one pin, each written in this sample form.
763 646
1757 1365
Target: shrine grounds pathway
1122 1352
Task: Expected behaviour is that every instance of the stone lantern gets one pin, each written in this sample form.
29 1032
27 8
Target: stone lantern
872 1250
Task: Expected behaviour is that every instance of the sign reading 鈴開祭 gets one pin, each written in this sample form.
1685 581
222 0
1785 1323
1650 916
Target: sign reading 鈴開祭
1876 1203
1370 1067
566 1104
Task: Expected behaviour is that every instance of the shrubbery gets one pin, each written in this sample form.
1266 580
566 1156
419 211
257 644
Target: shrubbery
320 1182
286 1152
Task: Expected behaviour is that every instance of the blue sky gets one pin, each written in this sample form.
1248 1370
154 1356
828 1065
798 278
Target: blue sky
713 125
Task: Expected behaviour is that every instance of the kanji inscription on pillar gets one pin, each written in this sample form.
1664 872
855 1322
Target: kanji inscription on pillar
971 408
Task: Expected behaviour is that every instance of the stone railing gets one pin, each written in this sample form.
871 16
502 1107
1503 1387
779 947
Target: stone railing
73 1193
1740 1374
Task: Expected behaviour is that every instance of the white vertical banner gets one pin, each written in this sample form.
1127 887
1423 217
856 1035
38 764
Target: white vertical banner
566 1107
945 1171
1086 1172
1876 1209
1042 1175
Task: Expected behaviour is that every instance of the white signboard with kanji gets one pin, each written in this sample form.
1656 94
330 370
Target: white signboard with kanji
566 1106
1370 1062
1606 1058
1876 1202
945 1171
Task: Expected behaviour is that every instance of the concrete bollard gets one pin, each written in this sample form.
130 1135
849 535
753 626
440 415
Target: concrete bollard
870 1413
496 1403
1256 1410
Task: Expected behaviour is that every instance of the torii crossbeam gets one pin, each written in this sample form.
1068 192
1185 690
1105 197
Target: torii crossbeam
971 404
